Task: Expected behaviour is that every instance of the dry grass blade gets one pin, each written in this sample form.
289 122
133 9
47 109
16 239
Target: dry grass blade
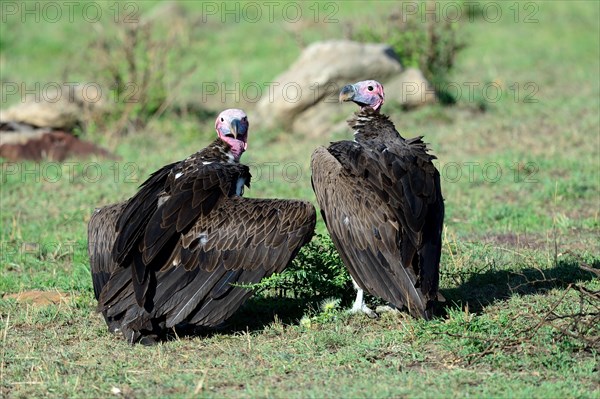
4 335
583 326
200 385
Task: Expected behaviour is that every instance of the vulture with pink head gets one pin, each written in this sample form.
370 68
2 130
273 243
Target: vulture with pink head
381 201
176 251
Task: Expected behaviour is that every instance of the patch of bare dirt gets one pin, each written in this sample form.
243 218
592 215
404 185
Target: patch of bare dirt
53 146
577 240
39 298
515 241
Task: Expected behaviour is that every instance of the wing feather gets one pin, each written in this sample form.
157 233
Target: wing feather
373 222
198 282
165 207
133 218
101 237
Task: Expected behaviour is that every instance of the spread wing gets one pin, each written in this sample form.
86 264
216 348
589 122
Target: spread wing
383 210
239 241
101 236
131 223
166 206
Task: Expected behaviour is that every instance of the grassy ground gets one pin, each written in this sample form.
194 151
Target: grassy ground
521 182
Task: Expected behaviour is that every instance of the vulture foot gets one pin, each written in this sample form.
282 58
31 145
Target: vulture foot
359 304
364 309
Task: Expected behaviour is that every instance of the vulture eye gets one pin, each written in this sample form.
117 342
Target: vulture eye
222 120
370 88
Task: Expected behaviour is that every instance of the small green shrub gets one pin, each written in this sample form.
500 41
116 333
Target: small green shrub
316 273
140 64
420 40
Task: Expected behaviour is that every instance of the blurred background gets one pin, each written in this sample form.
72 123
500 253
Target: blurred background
95 96
507 96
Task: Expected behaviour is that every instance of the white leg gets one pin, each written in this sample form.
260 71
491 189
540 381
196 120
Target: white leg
359 303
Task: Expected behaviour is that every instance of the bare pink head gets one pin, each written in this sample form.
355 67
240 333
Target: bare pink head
366 94
232 127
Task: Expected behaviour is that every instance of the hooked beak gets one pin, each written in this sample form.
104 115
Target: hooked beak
347 94
235 127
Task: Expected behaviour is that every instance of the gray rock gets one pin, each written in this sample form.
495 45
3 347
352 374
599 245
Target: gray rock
304 99
44 114
322 118
58 106
410 89
19 133
315 79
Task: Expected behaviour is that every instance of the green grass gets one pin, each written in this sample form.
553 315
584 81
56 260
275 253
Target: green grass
512 253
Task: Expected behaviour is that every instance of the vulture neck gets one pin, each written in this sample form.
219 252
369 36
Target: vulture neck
370 125
219 151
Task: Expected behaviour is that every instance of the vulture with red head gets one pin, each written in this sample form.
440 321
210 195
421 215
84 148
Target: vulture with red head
381 201
176 252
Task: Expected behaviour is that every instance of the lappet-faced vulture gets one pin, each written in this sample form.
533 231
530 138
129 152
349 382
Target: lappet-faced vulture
175 252
381 200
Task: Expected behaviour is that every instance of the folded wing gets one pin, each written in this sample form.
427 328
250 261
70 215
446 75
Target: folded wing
378 204
241 241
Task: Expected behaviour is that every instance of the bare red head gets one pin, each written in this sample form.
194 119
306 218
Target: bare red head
232 127
368 93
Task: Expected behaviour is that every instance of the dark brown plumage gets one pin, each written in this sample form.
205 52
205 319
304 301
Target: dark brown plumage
381 200
178 246
101 237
